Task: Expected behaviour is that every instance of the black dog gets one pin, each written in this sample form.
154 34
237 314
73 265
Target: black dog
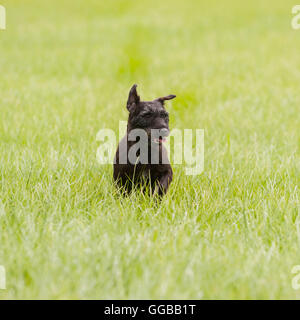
150 163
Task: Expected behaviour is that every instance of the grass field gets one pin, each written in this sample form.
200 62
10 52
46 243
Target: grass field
232 232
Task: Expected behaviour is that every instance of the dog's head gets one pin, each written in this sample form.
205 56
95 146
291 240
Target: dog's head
148 115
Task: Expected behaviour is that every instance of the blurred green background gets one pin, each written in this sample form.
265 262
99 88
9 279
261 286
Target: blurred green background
66 69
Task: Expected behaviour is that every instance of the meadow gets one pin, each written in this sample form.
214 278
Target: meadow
232 232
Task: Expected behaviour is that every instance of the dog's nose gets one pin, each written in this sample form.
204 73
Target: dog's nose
164 132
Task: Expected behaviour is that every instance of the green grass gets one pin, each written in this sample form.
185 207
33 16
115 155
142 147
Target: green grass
232 232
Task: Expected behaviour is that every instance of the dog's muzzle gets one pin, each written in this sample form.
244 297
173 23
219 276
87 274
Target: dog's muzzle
160 135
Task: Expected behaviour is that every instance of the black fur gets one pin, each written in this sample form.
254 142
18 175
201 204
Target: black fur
145 115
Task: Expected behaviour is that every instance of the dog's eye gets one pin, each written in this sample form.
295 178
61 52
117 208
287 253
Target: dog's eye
164 114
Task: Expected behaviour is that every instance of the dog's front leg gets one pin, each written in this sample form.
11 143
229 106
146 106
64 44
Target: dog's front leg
163 183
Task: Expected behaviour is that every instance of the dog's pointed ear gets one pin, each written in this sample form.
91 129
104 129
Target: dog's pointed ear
169 97
133 98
